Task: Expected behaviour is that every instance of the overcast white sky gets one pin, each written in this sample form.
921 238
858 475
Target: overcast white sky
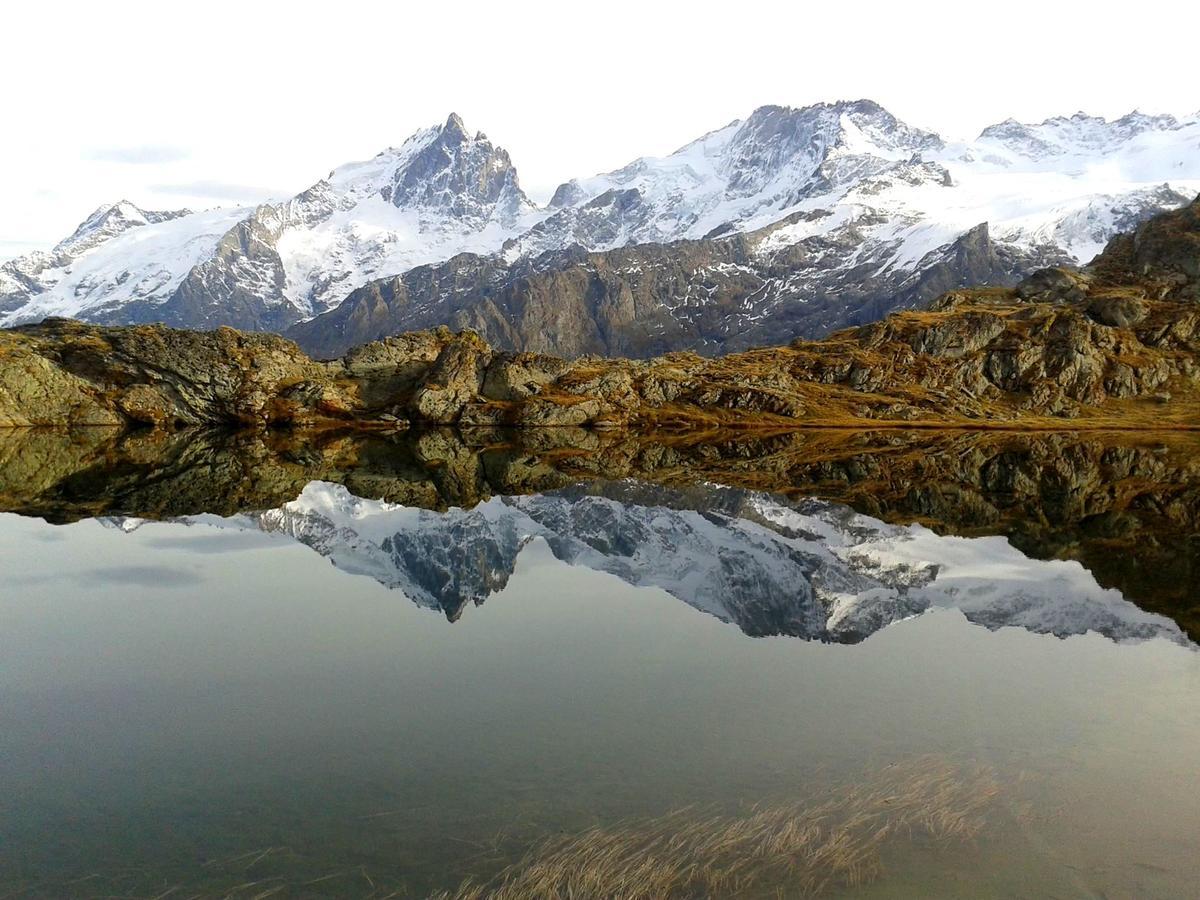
224 103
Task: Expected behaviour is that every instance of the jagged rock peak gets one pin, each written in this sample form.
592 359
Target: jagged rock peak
123 209
106 221
455 130
862 113
445 169
113 218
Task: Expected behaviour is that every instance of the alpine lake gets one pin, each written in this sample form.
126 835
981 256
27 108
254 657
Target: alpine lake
562 663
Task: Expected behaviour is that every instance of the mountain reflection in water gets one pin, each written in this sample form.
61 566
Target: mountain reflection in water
442 516
812 569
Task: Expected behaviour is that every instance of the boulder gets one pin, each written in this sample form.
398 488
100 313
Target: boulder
517 376
541 413
957 336
454 380
1055 285
1117 310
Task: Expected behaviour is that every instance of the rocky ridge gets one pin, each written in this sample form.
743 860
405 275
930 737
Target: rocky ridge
643 300
1115 344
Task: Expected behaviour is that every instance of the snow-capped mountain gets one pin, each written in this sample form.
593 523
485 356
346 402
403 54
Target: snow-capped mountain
808 569
788 223
854 165
71 277
741 177
1080 137
106 222
440 193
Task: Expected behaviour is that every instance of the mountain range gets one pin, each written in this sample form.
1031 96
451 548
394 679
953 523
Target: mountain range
789 223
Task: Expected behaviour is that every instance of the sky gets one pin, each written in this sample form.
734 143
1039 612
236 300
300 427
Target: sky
231 103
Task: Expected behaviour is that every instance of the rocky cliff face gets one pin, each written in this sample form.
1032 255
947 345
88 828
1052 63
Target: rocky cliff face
709 296
468 178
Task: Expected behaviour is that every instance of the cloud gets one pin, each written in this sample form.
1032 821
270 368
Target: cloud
140 576
143 155
133 576
220 190
222 542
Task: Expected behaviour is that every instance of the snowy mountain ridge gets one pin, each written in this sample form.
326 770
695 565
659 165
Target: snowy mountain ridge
825 196
105 223
740 177
119 258
441 193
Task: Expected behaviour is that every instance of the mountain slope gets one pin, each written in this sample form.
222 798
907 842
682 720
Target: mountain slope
739 177
711 296
790 224
149 248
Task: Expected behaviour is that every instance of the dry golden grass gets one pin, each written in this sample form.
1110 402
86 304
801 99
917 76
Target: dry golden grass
800 849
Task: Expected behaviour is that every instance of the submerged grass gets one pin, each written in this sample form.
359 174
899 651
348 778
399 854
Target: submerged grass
835 840
795 849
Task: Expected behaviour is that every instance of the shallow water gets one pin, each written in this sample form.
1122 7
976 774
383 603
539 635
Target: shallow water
344 697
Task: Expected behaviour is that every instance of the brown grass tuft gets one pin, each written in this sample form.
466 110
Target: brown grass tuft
801 849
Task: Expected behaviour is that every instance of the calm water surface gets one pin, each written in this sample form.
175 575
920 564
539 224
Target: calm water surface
339 696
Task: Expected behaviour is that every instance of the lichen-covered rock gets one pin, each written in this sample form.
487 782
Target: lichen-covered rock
485 415
615 386
957 336
411 354
543 413
1162 256
516 376
1117 311
1055 285
34 391
152 404
455 379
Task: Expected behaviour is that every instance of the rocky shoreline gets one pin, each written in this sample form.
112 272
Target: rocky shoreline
1115 345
